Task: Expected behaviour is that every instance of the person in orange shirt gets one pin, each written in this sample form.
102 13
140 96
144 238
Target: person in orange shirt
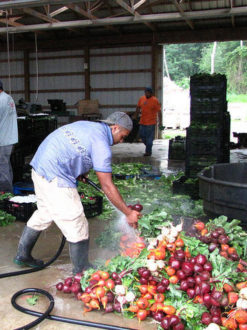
149 108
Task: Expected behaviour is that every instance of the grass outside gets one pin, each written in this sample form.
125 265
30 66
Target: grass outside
240 98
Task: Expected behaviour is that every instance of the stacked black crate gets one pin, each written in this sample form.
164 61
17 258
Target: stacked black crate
208 137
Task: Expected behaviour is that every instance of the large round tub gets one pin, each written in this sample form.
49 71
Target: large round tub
223 188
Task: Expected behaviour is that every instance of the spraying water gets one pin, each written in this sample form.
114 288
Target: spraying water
122 225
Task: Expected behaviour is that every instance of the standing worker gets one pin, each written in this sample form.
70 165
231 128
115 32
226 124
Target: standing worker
149 107
68 152
8 137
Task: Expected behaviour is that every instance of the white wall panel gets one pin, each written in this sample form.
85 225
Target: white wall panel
64 83
127 59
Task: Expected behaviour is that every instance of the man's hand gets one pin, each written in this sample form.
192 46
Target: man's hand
133 218
82 177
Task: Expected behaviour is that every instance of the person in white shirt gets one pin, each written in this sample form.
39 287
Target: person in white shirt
8 137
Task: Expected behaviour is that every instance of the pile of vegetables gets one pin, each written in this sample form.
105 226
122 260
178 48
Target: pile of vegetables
175 280
5 218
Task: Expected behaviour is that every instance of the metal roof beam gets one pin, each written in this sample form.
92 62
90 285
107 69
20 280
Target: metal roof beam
180 9
35 3
138 4
214 13
135 13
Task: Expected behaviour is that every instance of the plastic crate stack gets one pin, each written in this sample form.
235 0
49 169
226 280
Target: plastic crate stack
177 148
208 137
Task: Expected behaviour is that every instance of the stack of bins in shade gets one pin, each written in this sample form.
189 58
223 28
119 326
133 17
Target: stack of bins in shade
208 137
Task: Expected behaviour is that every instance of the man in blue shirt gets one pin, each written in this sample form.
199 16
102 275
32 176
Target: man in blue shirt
8 137
67 153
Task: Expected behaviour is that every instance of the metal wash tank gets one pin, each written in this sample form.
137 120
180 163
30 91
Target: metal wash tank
223 188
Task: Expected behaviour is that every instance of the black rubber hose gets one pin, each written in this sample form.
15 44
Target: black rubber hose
46 314
36 269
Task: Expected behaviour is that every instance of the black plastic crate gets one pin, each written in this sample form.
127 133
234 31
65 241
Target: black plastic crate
176 149
17 162
93 209
22 211
184 186
208 85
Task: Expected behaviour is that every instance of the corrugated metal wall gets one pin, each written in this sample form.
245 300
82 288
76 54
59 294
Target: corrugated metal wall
12 64
60 76
118 76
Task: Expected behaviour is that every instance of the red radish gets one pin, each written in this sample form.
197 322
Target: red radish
75 287
174 320
191 282
137 207
165 282
115 276
179 255
158 316
109 308
161 288
198 268
165 323
88 290
59 286
216 319
208 266
201 259
77 277
191 293
130 206
68 281
110 296
175 264
181 275
206 318
188 268
66 288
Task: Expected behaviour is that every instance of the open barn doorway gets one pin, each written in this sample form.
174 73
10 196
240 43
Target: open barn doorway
180 61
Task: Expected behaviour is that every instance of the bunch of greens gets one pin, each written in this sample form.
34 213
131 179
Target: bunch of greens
6 218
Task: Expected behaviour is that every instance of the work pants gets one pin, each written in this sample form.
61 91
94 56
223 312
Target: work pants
61 205
6 174
147 136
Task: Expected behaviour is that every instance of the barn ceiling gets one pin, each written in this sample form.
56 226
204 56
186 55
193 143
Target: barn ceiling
137 20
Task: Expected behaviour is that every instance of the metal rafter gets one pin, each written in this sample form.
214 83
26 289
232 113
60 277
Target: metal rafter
58 11
138 4
12 21
135 13
39 15
35 3
46 18
87 14
182 13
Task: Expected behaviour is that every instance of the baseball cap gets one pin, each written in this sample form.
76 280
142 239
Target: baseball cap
119 118
1 85
149 89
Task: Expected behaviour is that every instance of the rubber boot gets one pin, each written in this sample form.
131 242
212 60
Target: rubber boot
79 255
27 241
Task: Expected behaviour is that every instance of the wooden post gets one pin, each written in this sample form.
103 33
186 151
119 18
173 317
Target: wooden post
26 76
87 72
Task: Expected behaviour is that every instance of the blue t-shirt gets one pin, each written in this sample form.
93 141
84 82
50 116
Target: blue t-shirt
72 150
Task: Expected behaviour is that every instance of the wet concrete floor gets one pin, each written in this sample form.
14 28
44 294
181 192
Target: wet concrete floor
65 304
